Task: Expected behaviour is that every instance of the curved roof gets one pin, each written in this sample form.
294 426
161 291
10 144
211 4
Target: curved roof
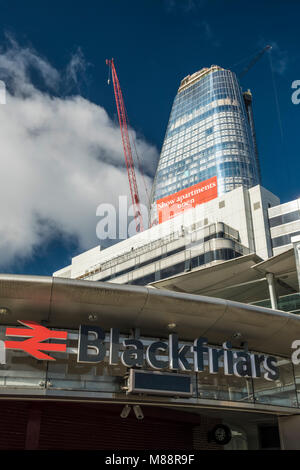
66 303
242 279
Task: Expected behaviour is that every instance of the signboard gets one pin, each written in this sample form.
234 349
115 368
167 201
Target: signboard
167 355
172 205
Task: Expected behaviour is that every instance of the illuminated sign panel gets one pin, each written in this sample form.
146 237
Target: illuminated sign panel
172 205
162 383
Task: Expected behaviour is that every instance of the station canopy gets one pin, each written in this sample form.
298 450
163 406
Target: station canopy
66 303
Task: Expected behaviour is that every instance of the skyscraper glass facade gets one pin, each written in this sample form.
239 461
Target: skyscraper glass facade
208 135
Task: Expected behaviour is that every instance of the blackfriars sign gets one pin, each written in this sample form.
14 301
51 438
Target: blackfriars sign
134 353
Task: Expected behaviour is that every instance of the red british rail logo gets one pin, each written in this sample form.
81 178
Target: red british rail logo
34 344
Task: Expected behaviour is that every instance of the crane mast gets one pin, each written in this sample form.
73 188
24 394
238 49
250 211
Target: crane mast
126 147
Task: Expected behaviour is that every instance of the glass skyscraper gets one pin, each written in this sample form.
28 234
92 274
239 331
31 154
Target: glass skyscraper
208 135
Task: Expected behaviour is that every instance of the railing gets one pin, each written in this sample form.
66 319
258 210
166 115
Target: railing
160 243
288 303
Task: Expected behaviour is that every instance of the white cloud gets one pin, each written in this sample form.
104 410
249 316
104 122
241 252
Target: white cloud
60 157
208 34
278 57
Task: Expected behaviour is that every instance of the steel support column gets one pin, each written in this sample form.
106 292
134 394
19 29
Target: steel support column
272 290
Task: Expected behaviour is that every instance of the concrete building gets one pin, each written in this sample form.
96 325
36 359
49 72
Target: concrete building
284 221
224 248
229 226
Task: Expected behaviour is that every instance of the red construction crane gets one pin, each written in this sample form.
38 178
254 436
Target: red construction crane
127 147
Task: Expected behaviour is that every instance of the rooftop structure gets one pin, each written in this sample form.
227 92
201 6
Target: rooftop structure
226 227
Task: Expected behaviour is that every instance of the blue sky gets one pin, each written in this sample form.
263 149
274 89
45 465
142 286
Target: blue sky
155 43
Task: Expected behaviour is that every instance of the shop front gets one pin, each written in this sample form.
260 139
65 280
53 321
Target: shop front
90 365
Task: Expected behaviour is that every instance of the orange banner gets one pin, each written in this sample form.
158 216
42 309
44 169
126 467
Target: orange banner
170 206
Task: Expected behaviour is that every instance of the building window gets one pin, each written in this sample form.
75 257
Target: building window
283 240
284 218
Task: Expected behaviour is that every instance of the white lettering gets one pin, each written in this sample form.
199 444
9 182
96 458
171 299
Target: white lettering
296 354
296 94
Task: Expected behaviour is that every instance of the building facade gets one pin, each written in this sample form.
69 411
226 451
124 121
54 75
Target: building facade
224 228
284 221
209 155
137 368
231 236
210 134
210 282
185 338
